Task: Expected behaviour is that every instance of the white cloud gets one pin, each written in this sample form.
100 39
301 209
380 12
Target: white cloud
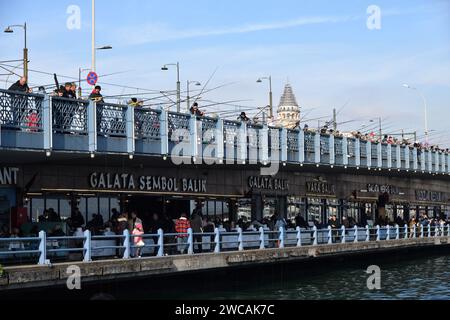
157 32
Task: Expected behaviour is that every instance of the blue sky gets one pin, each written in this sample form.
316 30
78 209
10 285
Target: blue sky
324 48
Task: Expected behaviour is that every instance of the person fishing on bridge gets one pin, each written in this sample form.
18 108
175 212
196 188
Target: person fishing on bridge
196 111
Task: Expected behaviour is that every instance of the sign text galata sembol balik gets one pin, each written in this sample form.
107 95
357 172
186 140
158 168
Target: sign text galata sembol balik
125 181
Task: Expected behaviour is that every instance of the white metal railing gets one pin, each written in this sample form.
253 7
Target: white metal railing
87 247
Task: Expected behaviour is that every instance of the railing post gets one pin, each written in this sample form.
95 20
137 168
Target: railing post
423 166
429 231
415 159
407 159
127 244
92 126
193 130
299 237
284 145
380 154
130 130
190 241
389 156
397 233
261 238
367 233
388 230
406 232
356 234
317 148
160 243
282 233
330 235
357 152
242 147
42 248
240 239
47 122
345 151
436 231
301 146
398 155
87 248
378 233
332 148
264 145
220 141
217 240
343 234
430 161
415 232
369 154
422 231
448 230
315 241
164 131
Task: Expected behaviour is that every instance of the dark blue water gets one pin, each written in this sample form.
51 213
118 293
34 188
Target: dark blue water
426 278
404 276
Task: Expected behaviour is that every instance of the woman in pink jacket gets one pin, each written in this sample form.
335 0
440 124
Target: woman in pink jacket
138 231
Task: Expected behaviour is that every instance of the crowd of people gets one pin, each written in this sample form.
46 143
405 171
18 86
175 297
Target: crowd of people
376 138
69 91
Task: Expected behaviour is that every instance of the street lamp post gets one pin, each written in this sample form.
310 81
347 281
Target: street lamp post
188 93
165 68
425 108
93 66
9 29
269 78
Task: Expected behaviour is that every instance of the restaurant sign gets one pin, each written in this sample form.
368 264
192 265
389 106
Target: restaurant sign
380 188
433 196
8 176
266 183
320 188
124 181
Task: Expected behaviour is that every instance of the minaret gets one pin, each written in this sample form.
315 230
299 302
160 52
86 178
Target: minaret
288 110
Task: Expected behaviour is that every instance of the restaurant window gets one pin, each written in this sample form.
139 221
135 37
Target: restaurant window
51 203
104 208
115 204
211 208
64 209
431 212
413 212
390 213
37 207
296 206
315 207
270 206
352 211
332 208
401 211
369 211
92 208
244 209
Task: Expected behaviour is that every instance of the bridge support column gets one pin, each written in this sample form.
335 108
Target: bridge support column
92 126
47 123
131 137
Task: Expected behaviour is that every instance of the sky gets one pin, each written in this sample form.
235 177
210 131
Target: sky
324 49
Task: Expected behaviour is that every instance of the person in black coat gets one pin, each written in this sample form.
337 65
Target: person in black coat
20 86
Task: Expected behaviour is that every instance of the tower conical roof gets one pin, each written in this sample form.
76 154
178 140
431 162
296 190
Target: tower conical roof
288 97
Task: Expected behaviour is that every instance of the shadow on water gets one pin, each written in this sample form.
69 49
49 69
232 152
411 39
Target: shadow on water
409 274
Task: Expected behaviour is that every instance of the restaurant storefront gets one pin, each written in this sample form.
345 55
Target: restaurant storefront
225 193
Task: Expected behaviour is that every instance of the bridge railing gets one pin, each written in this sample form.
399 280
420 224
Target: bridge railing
87 247
20 111
44 116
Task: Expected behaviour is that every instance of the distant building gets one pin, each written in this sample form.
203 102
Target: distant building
288 109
